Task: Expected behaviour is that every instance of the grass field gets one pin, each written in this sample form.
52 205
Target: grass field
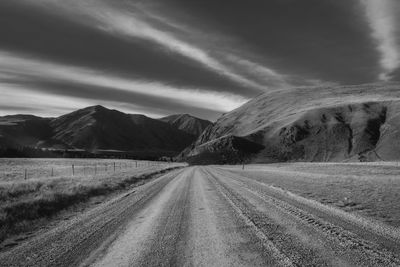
367 189
43 193
19 169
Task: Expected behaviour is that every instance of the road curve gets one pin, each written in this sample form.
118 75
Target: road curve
207 216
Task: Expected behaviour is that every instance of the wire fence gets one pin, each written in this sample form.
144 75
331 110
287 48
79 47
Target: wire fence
74 168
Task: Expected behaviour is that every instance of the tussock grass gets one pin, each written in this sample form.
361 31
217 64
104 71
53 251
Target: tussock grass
26 201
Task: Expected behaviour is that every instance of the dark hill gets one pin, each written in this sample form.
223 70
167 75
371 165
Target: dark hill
100 128
23 130
94 128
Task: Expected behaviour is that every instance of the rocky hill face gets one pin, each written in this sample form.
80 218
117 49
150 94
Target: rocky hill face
94 128
341 123
187 123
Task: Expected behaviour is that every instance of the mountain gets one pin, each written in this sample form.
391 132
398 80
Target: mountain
187 123
331 123
94 128
23 130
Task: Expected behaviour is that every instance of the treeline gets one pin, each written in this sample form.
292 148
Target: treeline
27 152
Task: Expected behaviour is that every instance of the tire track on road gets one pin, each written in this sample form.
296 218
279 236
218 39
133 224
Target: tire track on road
72 241
375 254
163 251
282 259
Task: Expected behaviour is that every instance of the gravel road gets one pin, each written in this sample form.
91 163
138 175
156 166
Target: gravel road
208 216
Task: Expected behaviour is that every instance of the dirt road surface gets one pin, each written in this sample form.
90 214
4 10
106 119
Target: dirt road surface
208 216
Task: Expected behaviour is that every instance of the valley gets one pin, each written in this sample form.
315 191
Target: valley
226 216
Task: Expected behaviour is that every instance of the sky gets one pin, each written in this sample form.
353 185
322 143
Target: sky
205 58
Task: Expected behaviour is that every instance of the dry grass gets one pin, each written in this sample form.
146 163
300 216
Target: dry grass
368 189
14 169
23 201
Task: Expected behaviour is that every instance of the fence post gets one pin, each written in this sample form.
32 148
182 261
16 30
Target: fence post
25 174
73 170
95 169
52 171
114 166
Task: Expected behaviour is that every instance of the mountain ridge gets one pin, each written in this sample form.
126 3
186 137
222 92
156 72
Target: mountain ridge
94 128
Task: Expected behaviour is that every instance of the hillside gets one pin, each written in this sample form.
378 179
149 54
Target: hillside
23 130
187 123
338 123
94 128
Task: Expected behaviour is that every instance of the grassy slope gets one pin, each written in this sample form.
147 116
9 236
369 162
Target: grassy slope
317 123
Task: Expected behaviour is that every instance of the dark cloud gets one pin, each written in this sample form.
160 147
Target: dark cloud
233 47
31 31
323 39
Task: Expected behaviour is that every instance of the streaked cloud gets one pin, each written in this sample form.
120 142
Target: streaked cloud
161 57
129 20
25 71
15 99
384 19
130 26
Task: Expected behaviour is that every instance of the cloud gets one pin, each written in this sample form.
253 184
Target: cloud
314 39
129 25
15 99
26 72
382 16
72 40
161 57
270 78
135 21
